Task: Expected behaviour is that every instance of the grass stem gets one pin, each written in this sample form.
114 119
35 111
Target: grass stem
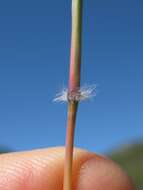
73 89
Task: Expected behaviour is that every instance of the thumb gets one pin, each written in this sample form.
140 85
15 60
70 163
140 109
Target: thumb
43 170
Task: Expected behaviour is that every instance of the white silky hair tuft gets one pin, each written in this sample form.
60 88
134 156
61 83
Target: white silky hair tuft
61 96
82 94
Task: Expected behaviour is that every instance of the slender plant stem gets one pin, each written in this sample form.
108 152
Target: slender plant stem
75 62
72 109
74 85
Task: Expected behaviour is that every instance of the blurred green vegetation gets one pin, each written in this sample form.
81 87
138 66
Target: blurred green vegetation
4 149
131 159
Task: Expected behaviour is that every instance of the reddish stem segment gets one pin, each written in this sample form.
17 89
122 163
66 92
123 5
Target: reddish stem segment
74 85
75 62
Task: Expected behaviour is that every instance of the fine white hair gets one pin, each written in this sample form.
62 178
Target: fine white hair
78 95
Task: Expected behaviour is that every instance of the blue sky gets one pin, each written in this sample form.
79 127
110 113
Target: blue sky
34 61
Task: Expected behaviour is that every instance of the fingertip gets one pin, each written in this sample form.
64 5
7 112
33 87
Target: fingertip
38 169
43 169
101 173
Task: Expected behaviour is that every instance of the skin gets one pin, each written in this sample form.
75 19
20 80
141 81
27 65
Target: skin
43 170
